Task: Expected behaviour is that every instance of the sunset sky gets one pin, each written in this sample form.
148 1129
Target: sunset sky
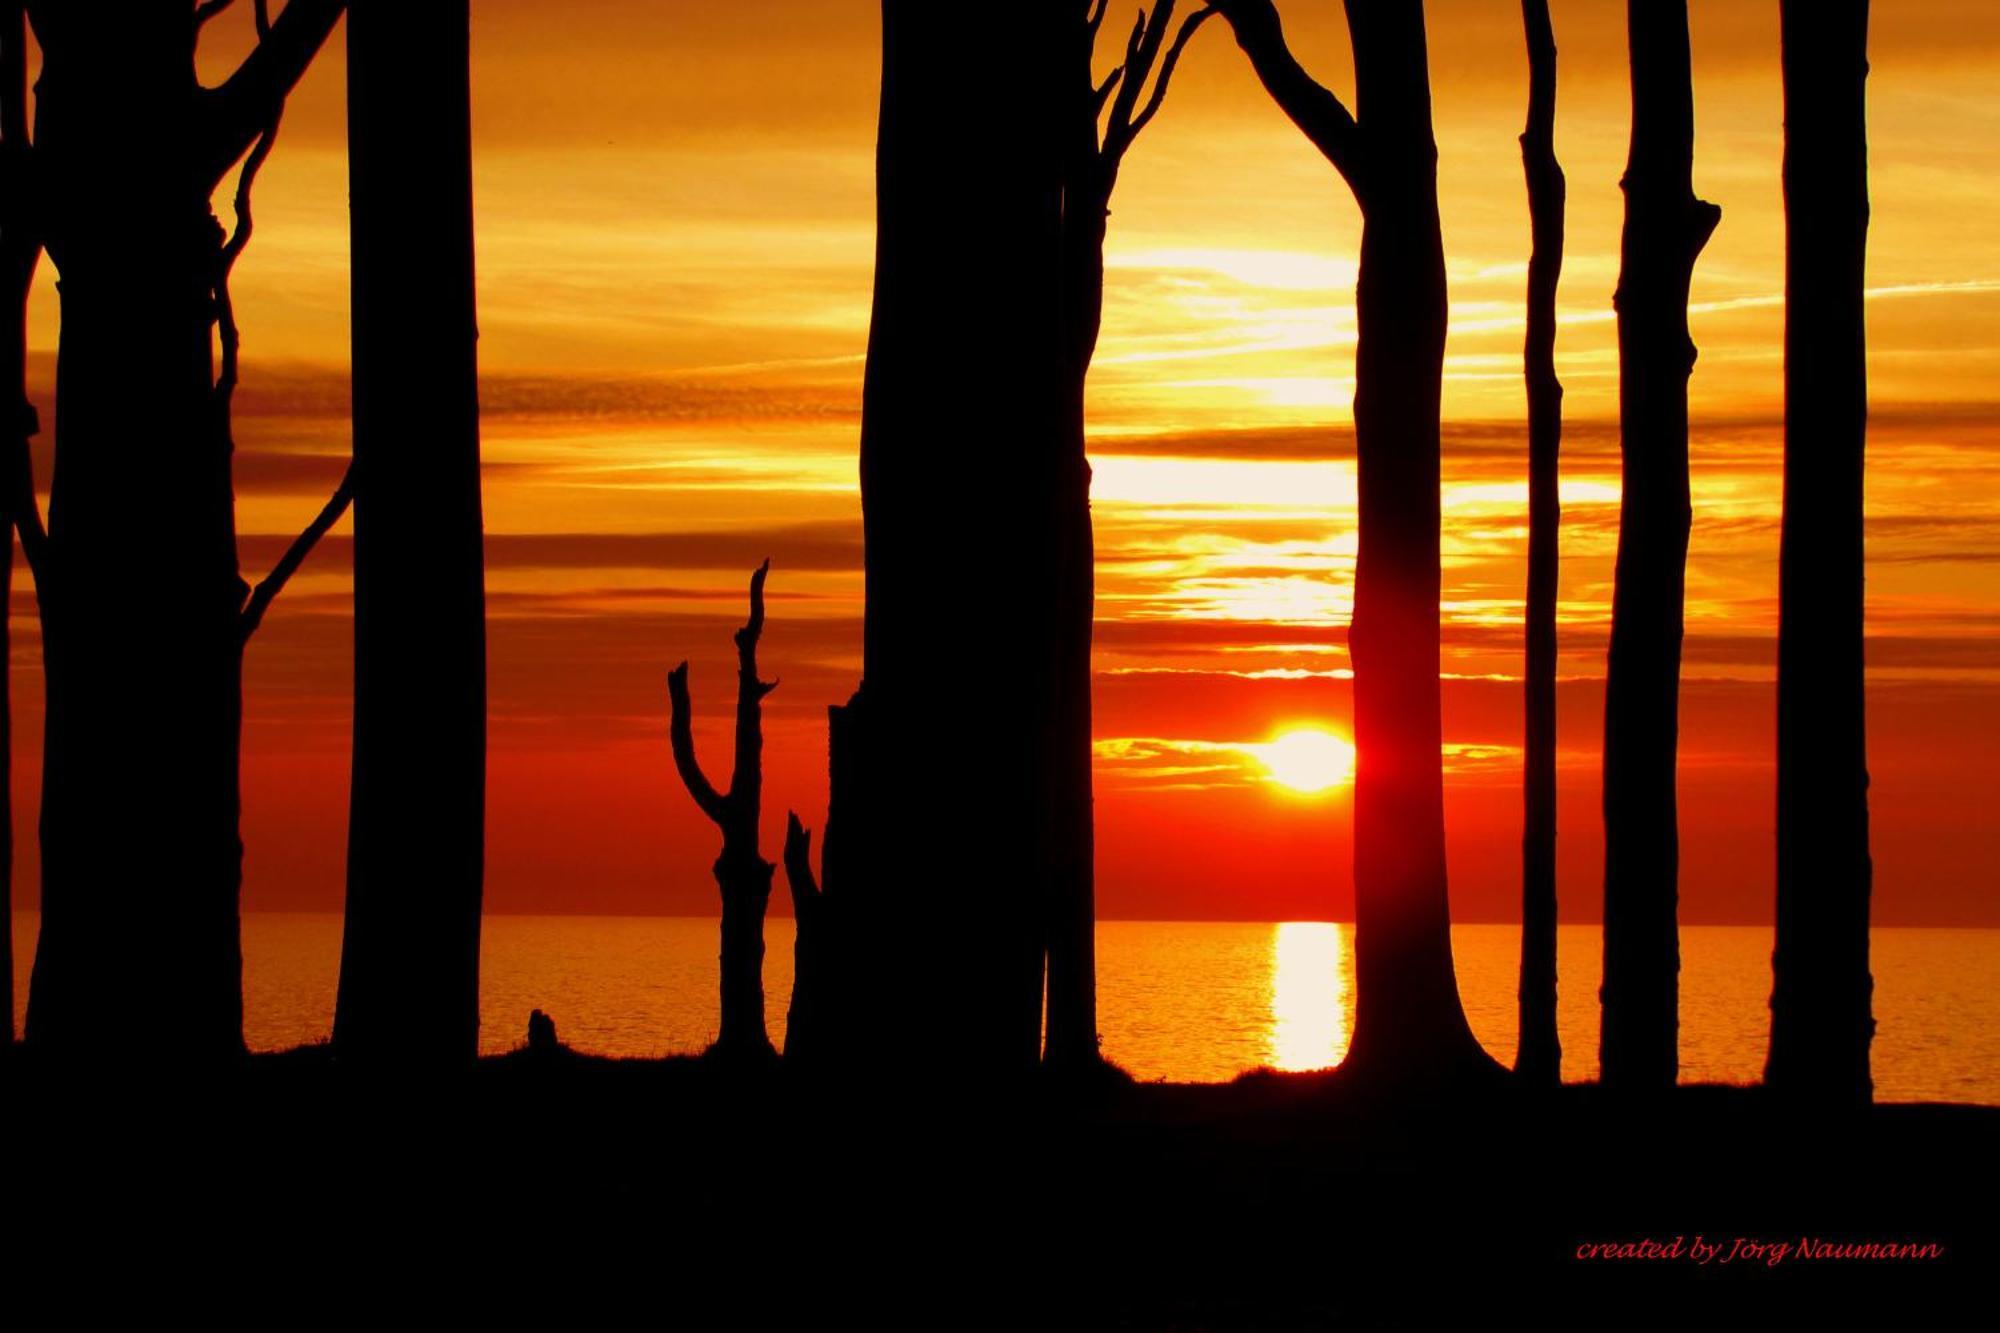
675 233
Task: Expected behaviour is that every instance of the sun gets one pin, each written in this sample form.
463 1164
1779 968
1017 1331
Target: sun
1307 760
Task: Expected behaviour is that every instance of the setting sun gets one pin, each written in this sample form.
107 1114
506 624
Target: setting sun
1307 760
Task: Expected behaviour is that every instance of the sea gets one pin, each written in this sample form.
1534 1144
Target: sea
1184 1001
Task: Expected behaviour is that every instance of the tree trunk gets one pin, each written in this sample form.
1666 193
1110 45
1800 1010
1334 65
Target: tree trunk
959 445
823 1008
1070 831
141 861
1408 1018
809 1015
1665 230
1409 1026
1821 1023
409 972
19 253
741 872
1090 161
1539 1056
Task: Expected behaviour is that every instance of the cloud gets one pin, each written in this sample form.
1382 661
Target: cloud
831 545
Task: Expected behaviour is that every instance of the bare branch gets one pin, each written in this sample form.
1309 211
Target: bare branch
1104 90
295 555
1096 18
1318 113
755 628
244 107
208 9
259 154
1141 48
1188 28
681 734
263 19
746 779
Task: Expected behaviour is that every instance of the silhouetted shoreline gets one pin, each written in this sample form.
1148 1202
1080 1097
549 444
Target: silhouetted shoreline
1274 1200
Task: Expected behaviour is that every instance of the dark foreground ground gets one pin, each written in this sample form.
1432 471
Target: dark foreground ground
669 1194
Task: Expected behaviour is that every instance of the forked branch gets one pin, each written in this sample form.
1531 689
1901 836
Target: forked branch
736 810
249 100
1320 115
1142 51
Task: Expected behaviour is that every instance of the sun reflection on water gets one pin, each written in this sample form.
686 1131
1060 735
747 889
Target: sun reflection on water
1312 980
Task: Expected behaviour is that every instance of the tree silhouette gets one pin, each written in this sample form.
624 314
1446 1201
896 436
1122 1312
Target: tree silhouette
824 1008
741 873
20 251
409 967
1091 161
1539 1056
143 605
1665 230
958 458
1821 1023
1408 1022
811 1010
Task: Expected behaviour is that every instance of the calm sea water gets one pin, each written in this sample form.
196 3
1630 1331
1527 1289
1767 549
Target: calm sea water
1177 1000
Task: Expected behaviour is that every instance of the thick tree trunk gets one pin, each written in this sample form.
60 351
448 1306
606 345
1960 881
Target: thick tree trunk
141 862
409 972
1409 1026
959 443
1665 230
1821 1022
1539 1056
1407 1012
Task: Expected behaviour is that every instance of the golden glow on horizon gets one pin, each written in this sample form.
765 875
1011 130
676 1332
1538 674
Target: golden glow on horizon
1312 966
1308 761
675 265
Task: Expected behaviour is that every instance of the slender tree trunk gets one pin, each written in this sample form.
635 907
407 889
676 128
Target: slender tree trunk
1071 834
958 448
1821 1023
141 862
1665 230
1539 1057
741 872
19 253
1090 162
409 972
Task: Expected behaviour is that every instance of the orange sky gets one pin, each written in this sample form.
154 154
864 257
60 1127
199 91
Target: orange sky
675 239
